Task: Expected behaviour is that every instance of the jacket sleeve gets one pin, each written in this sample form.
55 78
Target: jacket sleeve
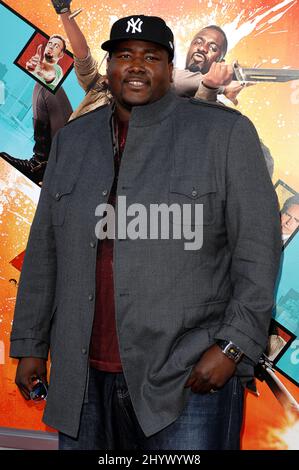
87 71
30 334
254 238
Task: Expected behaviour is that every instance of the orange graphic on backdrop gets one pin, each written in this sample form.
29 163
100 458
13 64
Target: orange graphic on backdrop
18 199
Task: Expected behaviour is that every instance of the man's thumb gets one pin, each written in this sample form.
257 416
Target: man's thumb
39 51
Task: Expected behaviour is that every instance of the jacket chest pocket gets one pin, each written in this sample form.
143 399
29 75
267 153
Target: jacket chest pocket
193 191
61 196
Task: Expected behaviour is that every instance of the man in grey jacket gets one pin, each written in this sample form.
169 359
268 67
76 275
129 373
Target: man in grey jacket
151 340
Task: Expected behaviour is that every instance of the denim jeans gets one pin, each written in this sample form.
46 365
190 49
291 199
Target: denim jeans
209 421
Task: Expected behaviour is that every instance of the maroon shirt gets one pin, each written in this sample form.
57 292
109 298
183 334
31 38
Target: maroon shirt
104 350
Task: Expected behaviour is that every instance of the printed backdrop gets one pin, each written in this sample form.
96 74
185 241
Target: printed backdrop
261 34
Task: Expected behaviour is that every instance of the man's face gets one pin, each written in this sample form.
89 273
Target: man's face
290 220
206 48
54 50
138 73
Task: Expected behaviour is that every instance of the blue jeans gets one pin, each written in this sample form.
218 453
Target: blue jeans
209 421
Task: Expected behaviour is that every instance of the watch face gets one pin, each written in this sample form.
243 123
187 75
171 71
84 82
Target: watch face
235 354
231 350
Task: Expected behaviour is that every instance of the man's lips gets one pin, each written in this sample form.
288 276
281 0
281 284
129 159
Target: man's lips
136 83
198 57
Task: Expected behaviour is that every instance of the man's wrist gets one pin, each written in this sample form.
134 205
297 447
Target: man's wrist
231 350
61 6
209 87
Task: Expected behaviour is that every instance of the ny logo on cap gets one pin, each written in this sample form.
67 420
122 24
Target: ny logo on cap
135 25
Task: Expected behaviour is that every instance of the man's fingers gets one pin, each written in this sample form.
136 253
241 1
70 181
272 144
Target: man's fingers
220 74
198 383
24 392
34 60
39 51
200 388
201 385
190 380
25 388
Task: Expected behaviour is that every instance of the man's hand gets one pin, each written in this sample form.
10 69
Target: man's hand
34 63
211 372
220 74
61 6
28 370
233 89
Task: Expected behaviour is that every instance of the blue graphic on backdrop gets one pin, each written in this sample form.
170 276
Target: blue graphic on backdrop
287 308
16 129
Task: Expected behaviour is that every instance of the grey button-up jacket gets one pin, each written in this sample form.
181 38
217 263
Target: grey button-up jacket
171 303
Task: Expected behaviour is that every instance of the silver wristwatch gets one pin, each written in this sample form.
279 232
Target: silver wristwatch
230 350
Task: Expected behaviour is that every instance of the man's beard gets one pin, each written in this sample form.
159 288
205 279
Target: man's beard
49 59
194 68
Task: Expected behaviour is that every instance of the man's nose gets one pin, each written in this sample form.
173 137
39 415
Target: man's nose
203 47
137 64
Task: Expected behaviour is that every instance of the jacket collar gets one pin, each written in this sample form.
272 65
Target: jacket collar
153 113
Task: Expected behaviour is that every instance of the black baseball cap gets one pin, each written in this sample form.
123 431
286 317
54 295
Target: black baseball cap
141 28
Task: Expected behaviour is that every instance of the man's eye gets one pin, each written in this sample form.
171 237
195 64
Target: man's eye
151 58
125 55
213 48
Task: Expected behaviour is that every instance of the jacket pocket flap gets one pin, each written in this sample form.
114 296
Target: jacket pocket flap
192 187
61 188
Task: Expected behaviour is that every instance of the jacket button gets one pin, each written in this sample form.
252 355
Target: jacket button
84 351
105 192
90 297
57 196
92 244
194 193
